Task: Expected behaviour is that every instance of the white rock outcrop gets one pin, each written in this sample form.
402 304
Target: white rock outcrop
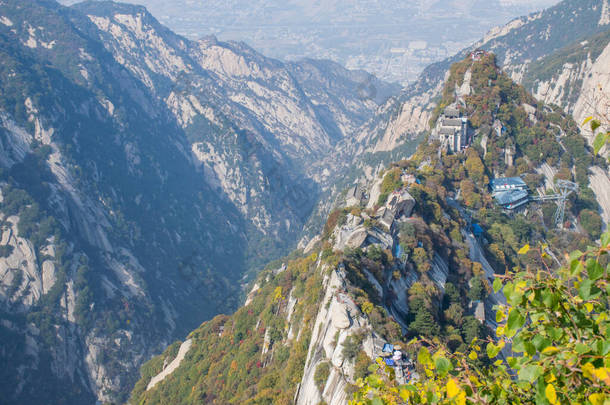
600 184
171 367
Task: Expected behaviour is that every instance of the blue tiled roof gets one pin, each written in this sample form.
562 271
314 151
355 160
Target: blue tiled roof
511 197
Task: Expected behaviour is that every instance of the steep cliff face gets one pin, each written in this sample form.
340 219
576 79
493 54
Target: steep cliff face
257 126
559 54
415 254
142 176
308 331
100 266
577 78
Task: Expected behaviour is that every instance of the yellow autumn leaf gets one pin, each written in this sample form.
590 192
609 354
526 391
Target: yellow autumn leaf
589 307
550 393
550 350
524 249
597 399
588 370
452 388
602 374
461 399
586 121
473 356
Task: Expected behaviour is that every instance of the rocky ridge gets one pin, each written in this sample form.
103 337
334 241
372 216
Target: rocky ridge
404 246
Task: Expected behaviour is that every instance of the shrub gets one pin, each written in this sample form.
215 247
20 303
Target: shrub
351 346
591 221
555 323
424 323
477 290
6 250
361 366
321 375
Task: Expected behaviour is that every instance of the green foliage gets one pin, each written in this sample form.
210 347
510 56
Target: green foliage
557 326
477 290
225 364
352 346
391 182
361 365
592 223
420 257
321 374
425 324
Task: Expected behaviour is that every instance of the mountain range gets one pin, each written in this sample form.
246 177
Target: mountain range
146 177
393 41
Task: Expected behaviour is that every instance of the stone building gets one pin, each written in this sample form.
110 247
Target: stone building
452 130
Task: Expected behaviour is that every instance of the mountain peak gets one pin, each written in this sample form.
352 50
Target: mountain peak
109 8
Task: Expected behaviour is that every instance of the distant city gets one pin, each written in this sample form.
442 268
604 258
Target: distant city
395 41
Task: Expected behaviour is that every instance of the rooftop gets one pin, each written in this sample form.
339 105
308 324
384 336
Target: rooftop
448 130
511 197
507 183
354 192
452 122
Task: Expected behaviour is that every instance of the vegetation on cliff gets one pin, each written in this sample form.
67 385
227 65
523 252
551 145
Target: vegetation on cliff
254 357
552 344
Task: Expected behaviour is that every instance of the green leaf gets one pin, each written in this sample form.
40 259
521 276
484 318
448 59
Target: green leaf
605 239
587 290
549 299
594 269
576 267
599 142
515 320
577 254
497 285
582 349
530 373
554 333
374 380
541 342
443 366
603 347
514 297
530 349
518 345
423 357
492 350
595 124
376 401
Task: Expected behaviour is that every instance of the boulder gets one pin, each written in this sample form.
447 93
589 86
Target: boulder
339 317
48 276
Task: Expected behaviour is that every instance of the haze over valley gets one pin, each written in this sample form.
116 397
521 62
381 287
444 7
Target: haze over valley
393 40
221 202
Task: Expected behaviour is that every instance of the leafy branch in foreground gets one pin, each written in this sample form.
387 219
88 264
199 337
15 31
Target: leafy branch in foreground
602 138
552 347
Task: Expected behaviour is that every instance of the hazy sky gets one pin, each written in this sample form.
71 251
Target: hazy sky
393 39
